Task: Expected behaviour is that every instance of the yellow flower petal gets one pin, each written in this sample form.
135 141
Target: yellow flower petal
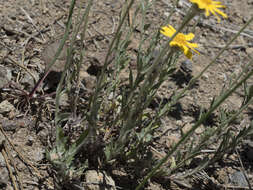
189 36
213 12
173 43
189 54
192 46
221 13
210 6
168 31
181 40
173 30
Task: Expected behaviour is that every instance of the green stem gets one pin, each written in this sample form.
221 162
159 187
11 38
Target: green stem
58 91
93 102
82 52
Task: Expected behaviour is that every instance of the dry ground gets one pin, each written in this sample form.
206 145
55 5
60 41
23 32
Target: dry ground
29 27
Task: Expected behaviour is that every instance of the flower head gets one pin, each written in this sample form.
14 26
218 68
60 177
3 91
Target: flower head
180 40
210 6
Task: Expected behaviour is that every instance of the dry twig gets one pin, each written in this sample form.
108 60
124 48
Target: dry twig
19 178
5 155
14 62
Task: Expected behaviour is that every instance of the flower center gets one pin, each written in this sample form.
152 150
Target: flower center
207 2
180 38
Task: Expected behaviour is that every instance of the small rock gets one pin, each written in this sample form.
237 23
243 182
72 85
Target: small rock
237 178
5 76
186 128
200 130
13 124
172 140
166 14
49 53
28 80
180 4
250 51
64 100
96 180
222 176
6 107
205 76
88 80
154 186
179 123
2 161
186 66
38 154
4 177
43 134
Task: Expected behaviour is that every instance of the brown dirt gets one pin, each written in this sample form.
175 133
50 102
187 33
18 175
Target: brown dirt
27 28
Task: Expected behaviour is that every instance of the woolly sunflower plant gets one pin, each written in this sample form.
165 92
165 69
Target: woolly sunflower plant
128 127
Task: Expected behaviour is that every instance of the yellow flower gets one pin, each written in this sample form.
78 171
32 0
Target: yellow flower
210 6
181 40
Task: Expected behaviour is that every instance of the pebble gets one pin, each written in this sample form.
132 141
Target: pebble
200 130
64 99
250 51
96 180
171 140
38 154
222 176
186 128
205 76
49 53
6 107
186 66
238 178
2 161
28 80
5 76
4 177
88 80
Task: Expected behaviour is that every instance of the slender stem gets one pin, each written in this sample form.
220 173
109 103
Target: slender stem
58 90
57 53
165 49
94 99
85 20
37 85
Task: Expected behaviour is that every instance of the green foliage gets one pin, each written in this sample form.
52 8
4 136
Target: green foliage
124 108
62 156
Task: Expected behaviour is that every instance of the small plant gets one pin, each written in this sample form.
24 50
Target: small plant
119 113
